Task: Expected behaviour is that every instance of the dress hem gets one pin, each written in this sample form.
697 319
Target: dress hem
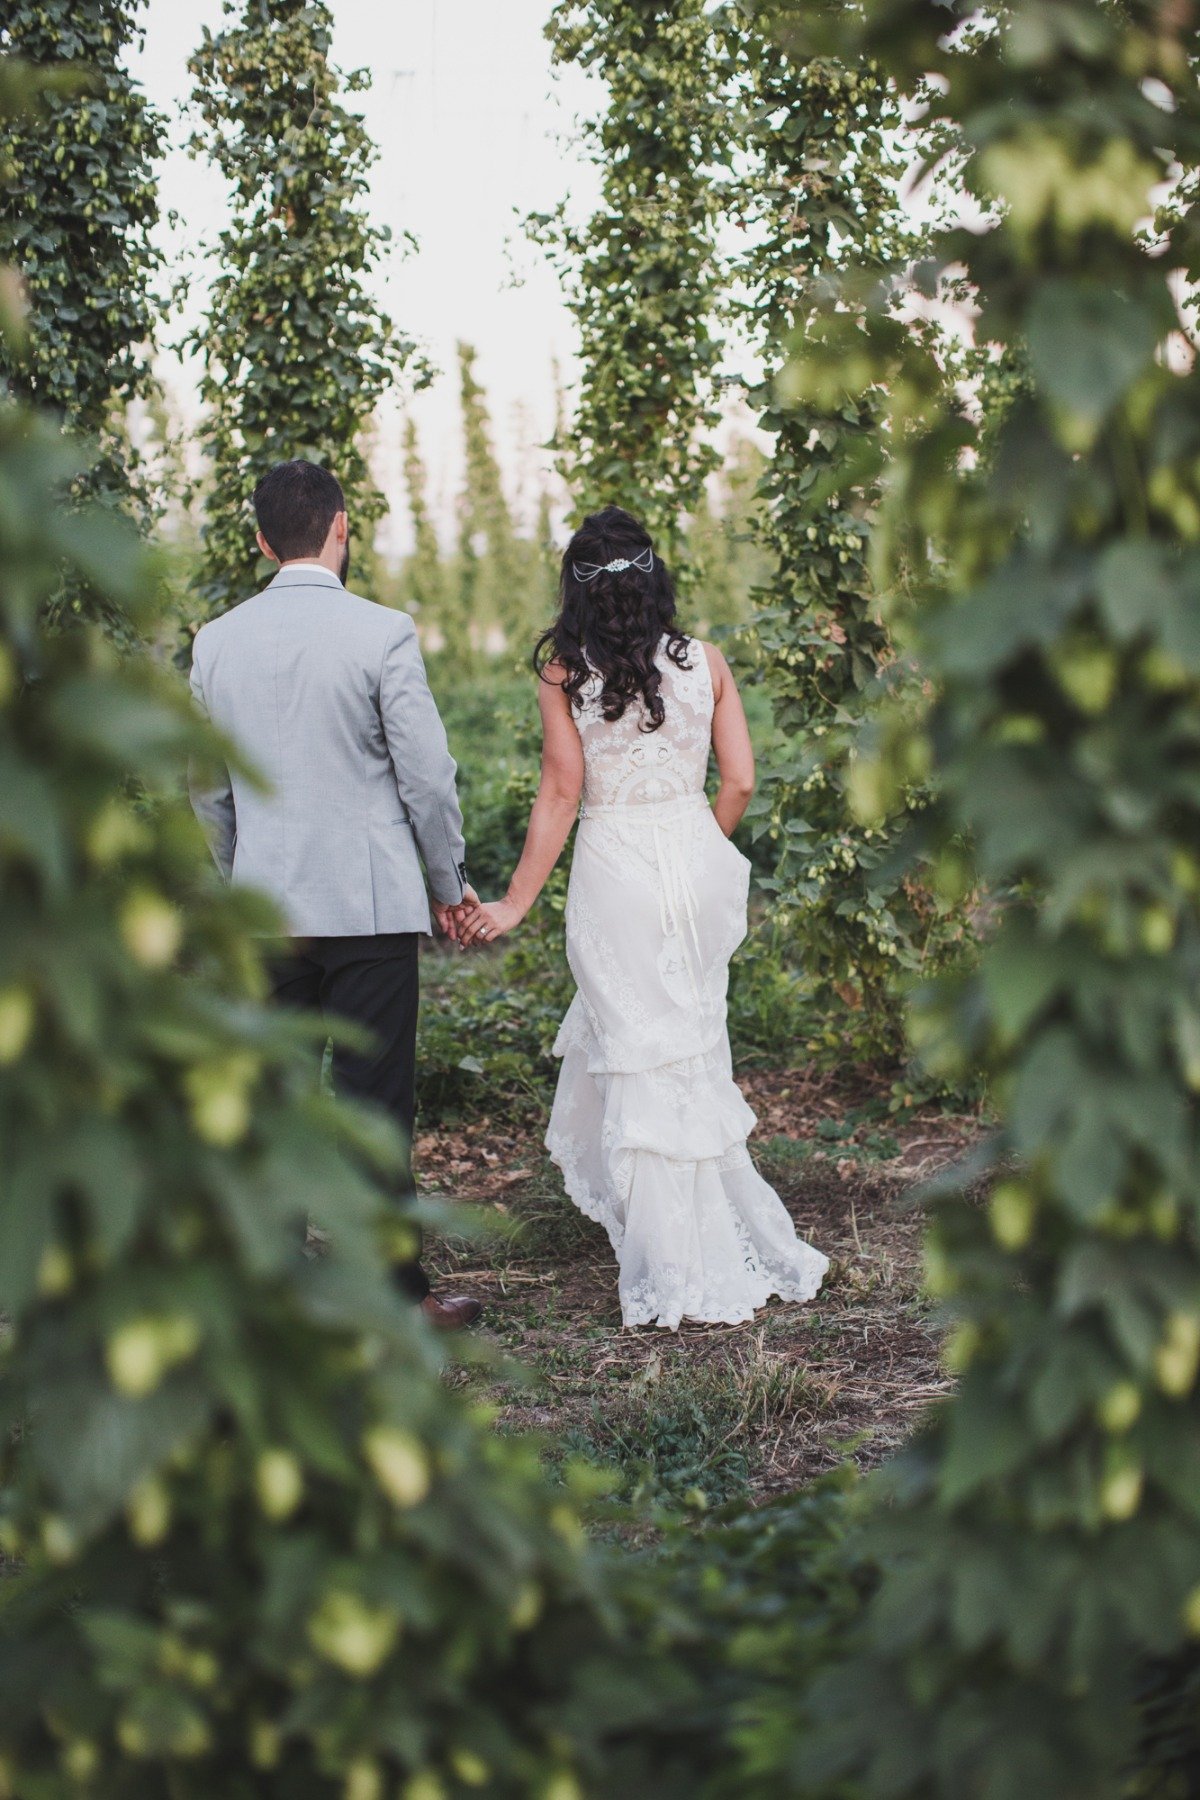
604 1212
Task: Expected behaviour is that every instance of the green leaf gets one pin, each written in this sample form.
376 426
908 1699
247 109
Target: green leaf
985 1441
93 1445
1089 343
1022 974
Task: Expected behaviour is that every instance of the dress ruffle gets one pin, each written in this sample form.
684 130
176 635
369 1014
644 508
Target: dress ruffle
659 1158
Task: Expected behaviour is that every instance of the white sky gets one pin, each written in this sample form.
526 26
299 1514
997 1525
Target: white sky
473 132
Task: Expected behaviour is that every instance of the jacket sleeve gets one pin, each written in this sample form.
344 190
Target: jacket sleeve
425 770
212 801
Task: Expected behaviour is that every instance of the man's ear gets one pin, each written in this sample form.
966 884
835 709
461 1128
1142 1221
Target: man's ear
265 547
342 526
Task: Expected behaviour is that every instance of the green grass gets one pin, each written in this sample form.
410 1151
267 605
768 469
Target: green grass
689 1434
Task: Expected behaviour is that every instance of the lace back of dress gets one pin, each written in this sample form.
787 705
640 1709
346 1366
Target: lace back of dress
626 766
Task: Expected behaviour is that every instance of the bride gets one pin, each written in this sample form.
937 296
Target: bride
648 1126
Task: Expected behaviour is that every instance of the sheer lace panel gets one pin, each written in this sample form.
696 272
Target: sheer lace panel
626 766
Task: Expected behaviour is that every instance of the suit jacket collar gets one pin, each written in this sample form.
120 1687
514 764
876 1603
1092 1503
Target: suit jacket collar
289 578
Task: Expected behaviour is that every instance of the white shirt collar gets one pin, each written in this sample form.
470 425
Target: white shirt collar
310 568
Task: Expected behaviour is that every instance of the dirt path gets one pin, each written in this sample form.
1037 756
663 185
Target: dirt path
754 1408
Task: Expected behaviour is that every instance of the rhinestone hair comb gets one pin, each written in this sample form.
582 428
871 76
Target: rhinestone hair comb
644 561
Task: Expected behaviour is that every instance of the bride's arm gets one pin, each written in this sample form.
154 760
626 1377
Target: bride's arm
550 821
731 743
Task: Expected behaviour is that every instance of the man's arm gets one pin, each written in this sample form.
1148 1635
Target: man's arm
425 770
212 802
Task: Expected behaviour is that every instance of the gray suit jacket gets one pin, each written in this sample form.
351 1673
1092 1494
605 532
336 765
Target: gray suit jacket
326 696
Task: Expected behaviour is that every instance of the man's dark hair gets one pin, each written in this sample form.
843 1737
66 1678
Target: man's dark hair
295 503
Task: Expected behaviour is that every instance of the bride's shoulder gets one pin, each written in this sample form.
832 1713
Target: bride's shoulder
556 674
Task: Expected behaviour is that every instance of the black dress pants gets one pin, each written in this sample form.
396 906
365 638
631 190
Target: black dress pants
374 983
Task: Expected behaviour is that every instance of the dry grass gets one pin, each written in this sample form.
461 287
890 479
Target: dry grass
755 1408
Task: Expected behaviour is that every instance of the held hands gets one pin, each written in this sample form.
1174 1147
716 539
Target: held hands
471 922
480 924
449 918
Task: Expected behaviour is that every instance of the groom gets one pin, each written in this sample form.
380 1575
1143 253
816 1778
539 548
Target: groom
326 696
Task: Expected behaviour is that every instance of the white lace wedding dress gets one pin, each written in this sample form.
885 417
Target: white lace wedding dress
648 1126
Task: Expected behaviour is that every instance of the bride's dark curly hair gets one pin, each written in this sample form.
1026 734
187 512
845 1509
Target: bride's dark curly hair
612 624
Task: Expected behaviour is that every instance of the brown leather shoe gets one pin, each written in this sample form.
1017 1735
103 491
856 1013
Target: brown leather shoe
451 1315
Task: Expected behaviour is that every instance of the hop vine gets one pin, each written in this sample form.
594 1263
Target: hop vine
820 195
77 215
642 274
296 353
